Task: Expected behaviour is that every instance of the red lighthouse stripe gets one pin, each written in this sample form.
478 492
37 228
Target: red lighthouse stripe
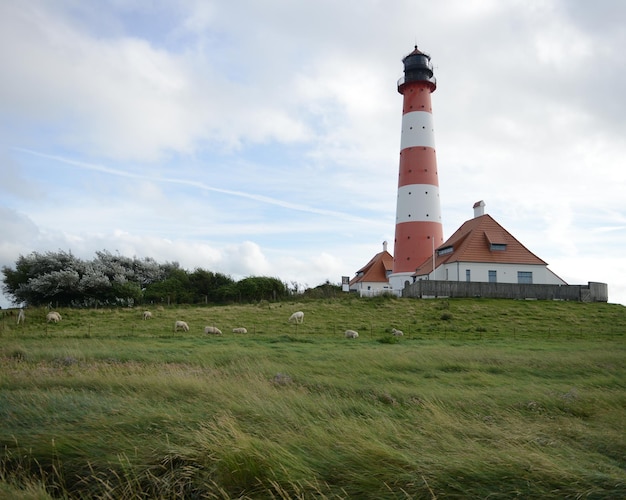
418 165
416 97
413 244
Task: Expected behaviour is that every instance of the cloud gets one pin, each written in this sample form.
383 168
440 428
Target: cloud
123 97
246 259
17 230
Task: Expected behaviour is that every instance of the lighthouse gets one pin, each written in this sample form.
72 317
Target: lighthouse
418 212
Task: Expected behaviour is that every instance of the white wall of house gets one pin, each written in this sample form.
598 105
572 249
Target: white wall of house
371 288
504 273
398 280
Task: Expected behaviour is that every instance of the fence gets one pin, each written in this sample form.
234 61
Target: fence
592 292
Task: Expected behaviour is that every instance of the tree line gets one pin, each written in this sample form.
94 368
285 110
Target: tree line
62 279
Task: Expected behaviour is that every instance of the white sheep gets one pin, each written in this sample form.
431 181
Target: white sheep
240 330
297 317
397 333
182 325
20 317
53 316
351 334
147 315
212 329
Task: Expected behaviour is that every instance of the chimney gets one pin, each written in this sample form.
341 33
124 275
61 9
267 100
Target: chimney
384 246
479 208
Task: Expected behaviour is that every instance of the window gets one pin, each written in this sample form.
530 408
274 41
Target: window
468 276
444 251
525 277
493 276
498 247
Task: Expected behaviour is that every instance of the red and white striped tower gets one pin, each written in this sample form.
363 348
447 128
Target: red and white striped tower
418 214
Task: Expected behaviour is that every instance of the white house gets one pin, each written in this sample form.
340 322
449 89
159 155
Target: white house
373 278
482 250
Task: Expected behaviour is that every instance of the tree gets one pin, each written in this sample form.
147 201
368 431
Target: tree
15 278
325 290
62 279
261 288
42 278
175 288
206 285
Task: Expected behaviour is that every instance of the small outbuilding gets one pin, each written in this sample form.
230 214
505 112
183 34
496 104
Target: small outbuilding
373 278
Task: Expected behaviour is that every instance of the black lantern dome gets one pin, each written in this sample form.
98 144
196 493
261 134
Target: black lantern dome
417 68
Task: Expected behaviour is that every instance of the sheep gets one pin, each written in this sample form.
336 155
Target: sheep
53 316
297 317
240 330
20 317
351 334
147 315
396 333
182 325
212 329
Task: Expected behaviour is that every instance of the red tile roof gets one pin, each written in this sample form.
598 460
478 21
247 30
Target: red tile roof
473 241
376 270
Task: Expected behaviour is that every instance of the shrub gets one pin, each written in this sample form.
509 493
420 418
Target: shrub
389 340
18 354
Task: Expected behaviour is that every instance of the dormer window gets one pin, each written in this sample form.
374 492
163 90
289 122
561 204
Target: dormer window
445 250
496 241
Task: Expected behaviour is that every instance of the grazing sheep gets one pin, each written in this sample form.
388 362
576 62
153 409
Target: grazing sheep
240 330
297 317
212 329
182 325
53 316
20 317
351 334
397 333
147 315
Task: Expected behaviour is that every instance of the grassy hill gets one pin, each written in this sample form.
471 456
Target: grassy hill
479 398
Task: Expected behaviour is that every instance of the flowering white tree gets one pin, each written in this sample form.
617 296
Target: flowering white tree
61 278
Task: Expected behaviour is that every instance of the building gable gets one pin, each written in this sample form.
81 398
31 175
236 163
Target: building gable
377 270
480 240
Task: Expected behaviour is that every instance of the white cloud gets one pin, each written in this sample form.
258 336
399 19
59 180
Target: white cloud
245 259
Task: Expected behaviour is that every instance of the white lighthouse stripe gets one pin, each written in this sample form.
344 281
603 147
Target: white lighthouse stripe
417 130
418 203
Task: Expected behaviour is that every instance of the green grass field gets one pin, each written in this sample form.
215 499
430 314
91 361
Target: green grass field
479 399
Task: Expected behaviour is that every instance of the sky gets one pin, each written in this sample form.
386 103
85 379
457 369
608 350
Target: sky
263 138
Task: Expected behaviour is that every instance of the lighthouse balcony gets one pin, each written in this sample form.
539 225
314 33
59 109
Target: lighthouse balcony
430 79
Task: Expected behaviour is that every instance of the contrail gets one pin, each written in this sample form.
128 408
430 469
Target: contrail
198 184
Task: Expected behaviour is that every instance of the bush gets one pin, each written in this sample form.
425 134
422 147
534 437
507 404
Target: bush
18 355
446 316
389 340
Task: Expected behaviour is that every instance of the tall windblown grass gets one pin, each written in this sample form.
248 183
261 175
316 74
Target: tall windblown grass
132 410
